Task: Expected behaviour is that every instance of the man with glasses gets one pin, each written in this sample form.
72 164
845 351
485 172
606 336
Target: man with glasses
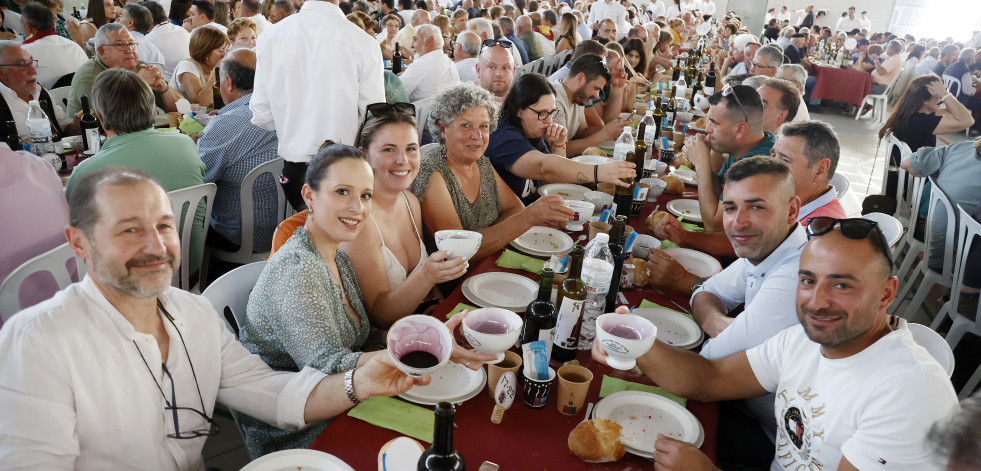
766 60
122 371
115 48
431 69
18 85
852 389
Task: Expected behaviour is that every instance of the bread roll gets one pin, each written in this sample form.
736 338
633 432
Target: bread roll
642 275
654 218
675 185
681 160
701 123
594 151
597 441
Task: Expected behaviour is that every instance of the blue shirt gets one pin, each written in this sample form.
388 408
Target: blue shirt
507 145
761 148
518 43
231 146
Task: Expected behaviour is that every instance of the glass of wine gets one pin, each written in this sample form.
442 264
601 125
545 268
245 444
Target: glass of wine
419 344
624 337
492 331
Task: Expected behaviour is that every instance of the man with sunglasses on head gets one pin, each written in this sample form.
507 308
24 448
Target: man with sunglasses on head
852 389
122 371
587 77
495 71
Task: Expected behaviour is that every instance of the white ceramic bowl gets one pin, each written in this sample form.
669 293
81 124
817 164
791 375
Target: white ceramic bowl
459 243
642 244
492 330
600 200
624 337
583 209
419 333
657 187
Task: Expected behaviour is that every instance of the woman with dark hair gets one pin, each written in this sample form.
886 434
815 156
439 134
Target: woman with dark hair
527 146
100 13
663 55
636 55
178 11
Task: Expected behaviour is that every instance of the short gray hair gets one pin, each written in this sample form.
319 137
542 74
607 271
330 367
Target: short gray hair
123 100
506 23
456 100
4 44
957 437
102 34
965 53
741 41
469 42
141 16
820 142
755 81
482 26
427 32
243 77
419 13
788 31
798 72
772 53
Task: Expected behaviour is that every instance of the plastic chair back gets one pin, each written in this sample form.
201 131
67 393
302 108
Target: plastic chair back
245 253
59 96
940 207
952 84
969 229
935 345
54 261
185 203
840 184
904 186
229 294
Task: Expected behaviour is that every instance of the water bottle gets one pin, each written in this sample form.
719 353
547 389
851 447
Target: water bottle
650 127
39 129
597 272
681 87
624 144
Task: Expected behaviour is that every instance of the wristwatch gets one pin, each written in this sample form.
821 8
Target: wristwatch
349 387
698 285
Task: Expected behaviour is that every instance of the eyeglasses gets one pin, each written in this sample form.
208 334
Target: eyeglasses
123 45
852 228
729 91
171 405
544 114
32 62
379 110
496 42
755 65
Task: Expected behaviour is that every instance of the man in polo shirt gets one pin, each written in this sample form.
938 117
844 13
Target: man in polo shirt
115 48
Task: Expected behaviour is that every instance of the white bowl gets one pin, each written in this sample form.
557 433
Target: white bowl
492 330
624 337
583 209
657 187
642 245
419 333
600 200
459 243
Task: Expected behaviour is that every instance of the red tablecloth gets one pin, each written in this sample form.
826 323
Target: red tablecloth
527 439
844 85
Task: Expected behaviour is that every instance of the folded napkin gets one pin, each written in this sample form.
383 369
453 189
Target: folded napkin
400 416
190 126
689 226
686 168
667 244
517 261
613 385
645 303
458 308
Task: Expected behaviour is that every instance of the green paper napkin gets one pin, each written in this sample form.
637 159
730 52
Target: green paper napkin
645 303
515 260
689 226
400 416
190 126
686 168
458 308
613 385
667 244
608 150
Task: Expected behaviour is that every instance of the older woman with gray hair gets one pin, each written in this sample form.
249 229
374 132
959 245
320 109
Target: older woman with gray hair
455 173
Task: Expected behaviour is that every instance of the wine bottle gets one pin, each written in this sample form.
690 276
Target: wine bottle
90 127
676 73
570 303
658 118
616 249
709 88
13 138
540 315
442 456
640 155
696 88
623 196
669 110
217 101
396 61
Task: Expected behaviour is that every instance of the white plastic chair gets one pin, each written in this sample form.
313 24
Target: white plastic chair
230 293
59 96
953 85
969 229
935 345
54 261
878 102
185 203
840 184
905 184
905 255
245 253
939 205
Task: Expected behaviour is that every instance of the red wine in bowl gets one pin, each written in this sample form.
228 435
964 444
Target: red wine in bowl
625 332
490 327
419 359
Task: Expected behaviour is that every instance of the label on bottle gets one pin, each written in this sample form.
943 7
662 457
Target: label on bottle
650 133
620 150
570 311
92 139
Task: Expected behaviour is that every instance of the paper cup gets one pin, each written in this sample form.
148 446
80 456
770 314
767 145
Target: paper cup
596 227
607 188
574 383
511 362
536 391
174 119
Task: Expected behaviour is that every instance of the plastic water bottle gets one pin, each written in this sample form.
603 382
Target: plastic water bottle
681 87
650 128
597 272
624 144
39 129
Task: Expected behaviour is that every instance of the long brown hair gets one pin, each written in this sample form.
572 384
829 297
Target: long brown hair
914 97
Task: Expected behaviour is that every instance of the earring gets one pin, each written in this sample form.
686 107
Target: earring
309 210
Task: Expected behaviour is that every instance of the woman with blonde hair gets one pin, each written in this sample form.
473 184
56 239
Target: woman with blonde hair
566 36
194 77
242 33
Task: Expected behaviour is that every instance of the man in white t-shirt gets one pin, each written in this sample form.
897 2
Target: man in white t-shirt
465 53
853 389
432 69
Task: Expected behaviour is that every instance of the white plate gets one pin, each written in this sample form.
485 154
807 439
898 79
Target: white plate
890 226
452 383
643 415
685 208
591 159
567 191
498 289
701 264
673 328
544 240
311 460
686 176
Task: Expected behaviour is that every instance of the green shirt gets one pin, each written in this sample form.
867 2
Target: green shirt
84 78
761 148
534 49
171 158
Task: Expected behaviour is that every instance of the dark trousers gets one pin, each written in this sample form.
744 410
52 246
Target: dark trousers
294 174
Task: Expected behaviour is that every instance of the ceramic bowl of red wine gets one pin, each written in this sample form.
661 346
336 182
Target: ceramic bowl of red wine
492 331
624 337
459 242
419 344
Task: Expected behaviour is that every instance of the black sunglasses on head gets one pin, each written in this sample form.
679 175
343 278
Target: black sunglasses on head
379 110
852 228
496 42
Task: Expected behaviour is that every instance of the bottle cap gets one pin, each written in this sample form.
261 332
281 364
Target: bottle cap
626 129
602 238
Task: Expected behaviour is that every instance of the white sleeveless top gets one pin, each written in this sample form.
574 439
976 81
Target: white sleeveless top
396 272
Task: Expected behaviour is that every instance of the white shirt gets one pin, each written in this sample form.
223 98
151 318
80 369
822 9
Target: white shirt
708 7
687 5
548 47
768 290
656 9
19 109
802 113
865 23
56 57
847 24
11 20
173 42
221 27
261 23
344 68
467 69
873 408
926 66
427 74
602 9
189 66
76 393
147 51
783 16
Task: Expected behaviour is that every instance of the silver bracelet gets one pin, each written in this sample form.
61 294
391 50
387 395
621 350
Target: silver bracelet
349 387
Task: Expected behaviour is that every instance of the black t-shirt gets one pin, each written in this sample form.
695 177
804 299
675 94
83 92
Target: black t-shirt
772 34
919 131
